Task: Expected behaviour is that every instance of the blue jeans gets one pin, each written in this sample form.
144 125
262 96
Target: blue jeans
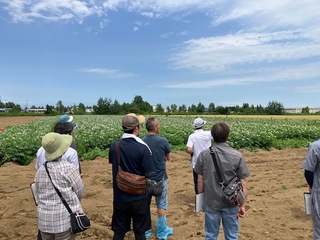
230 223
162 200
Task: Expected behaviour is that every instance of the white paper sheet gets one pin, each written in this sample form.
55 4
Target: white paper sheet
199 199
307 202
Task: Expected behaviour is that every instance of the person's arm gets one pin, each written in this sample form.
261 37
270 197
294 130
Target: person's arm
242 210
111 151
200 183
167 156
309 177
190 151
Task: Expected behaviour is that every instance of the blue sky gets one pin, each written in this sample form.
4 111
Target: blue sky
167 51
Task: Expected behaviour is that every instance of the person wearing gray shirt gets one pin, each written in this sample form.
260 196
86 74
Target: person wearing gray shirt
231 163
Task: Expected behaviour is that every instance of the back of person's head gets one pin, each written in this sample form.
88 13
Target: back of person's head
150 124
66 118
198 123
131 121
63 128
220 132
55 145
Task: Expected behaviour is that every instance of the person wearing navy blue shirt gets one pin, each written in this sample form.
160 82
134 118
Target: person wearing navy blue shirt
136 157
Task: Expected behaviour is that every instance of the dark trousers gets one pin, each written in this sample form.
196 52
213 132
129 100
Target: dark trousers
195 181
119 236
39 235
137 211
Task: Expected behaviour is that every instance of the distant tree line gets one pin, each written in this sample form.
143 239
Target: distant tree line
139 106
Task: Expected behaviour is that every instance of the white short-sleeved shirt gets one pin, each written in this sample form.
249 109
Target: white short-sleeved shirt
198 141
70 155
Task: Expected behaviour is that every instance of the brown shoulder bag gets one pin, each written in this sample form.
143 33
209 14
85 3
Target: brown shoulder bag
128 182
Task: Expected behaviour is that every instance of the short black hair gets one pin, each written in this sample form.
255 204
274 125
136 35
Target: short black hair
150 124
220 132
63 128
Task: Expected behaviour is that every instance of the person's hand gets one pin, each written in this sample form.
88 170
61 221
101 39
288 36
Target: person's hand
242 212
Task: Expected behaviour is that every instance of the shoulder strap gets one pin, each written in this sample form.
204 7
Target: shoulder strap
58 192
118 152
220 178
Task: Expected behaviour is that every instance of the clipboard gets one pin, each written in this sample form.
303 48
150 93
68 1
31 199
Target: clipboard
307 202
199 200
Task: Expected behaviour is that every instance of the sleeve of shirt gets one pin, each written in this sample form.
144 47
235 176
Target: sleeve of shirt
72 157
111 152
167 147
190 142
243 171
76 182
40 158
198 167
311 160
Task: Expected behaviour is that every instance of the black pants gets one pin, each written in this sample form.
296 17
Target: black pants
195 181
137 211
39 235
118 236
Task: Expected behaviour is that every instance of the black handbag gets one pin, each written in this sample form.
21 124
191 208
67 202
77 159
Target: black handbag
79 221
154 188
233 191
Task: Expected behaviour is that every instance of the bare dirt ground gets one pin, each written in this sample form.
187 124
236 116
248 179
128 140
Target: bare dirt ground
275 207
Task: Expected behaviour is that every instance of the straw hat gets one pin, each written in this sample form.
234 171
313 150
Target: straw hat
55 145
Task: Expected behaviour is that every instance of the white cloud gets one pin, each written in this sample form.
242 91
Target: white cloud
112 73
51 10
272 14
226 52
262 75
314 88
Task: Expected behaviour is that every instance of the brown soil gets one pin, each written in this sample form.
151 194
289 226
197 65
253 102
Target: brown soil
275 207
8 121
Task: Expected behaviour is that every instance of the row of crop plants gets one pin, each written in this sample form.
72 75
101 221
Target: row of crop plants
95 134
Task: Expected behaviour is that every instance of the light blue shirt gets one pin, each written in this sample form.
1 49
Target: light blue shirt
70 155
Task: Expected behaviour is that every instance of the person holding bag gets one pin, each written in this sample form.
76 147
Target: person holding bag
231 164
134 157
53 216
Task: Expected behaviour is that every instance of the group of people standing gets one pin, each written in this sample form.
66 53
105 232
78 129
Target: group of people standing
58 166
148 156
145 156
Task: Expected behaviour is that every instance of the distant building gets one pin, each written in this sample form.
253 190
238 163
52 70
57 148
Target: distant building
5 109
299 110
89 110
36 110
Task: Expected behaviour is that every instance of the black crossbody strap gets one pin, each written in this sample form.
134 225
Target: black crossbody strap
220 178
58 192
